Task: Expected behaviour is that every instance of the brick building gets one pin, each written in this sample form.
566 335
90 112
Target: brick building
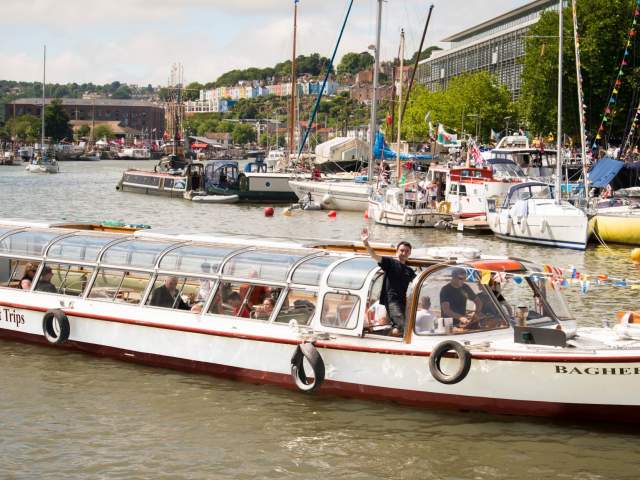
141 116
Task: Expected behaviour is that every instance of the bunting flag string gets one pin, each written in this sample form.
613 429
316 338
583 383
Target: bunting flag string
559 277
609 111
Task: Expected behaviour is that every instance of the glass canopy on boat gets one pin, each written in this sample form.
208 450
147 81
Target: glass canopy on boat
134 253
352 273
196 259
28 242
80 248
262 265
310 271
4 230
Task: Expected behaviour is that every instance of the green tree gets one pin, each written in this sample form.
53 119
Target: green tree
84 131
56 121
103 131
426 53
603 26
192 91
122 92
243 134
25 128
353 63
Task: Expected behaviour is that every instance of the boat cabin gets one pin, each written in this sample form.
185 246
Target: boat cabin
254 284
221 176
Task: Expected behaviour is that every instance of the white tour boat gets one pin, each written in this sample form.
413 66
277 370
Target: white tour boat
298 314
135 153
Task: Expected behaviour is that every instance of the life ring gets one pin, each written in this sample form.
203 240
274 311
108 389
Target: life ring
55 326
243 183
308 351
464 358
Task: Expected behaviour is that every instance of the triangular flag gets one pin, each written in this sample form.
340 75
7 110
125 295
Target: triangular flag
485 277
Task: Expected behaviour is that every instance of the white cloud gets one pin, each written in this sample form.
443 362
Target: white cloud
136 41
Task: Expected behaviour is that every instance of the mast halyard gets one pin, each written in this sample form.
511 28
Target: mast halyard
401 55
292 106
373 124
583 139
44 76
558 193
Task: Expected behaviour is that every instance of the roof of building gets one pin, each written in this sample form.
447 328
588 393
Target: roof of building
111 102
509 16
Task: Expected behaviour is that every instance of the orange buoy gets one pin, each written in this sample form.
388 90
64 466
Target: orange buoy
366 214
268 211
332 214
635 255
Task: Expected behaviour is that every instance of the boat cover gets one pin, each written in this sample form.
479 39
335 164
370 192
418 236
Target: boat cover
604 171
382 151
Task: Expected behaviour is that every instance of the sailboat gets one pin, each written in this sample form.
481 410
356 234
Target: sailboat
406 204
534 212
42 163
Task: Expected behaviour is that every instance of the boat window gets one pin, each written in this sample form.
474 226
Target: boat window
13 272
181 293
454 189
340 311
64 279
29 242
119 286
352 273
84 248
311 271
195 259
261 265
134 253
245 300
299 305
451 301
377 317
462 190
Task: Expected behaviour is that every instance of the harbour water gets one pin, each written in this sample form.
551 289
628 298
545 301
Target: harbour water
68 415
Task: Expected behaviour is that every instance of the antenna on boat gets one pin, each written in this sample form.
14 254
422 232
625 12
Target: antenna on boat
558 194
44 72
373 124
294 78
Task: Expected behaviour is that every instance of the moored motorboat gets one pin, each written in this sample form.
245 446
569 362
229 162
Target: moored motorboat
43 164
95 292
333 194
617 221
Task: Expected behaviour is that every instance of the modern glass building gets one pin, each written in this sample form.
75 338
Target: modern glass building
495 46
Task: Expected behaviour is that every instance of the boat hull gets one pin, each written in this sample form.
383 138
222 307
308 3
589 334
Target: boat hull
345 195
420 218
576 387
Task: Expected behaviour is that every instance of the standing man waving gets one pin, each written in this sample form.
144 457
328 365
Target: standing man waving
396 281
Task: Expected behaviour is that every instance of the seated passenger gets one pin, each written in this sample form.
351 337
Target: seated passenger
488 309
239 308
264 310
29 272
453 299
25 283
44 284
425 318
166 295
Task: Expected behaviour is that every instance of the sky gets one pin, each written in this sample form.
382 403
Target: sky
137 41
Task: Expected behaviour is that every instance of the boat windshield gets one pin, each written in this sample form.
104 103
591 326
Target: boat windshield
352 273
195 259
29 242
507 170
83 248
529 191
311 271
262 265
134 253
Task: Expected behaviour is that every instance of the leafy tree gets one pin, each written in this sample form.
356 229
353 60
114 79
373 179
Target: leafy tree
192 91
426 53
476 94
603 27
122 92
84 131
353 63
226 126
103 131
25 128
243 134
56 121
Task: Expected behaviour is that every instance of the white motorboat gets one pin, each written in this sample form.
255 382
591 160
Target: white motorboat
135 153
395 206
531 214
44 164
336 195
94 292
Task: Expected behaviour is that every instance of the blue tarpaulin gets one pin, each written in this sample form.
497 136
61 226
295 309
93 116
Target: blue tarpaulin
382 150
604 171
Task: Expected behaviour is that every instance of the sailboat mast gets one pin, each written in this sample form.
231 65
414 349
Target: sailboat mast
558 193
373 124
292 107
44 76
398 167
583 146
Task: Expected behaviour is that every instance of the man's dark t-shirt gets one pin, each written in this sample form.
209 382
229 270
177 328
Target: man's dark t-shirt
457 297
396 281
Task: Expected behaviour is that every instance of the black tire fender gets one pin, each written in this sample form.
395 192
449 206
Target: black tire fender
464 362
55 326
308 351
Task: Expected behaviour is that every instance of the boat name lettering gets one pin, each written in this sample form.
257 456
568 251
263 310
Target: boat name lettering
11 316
562 369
